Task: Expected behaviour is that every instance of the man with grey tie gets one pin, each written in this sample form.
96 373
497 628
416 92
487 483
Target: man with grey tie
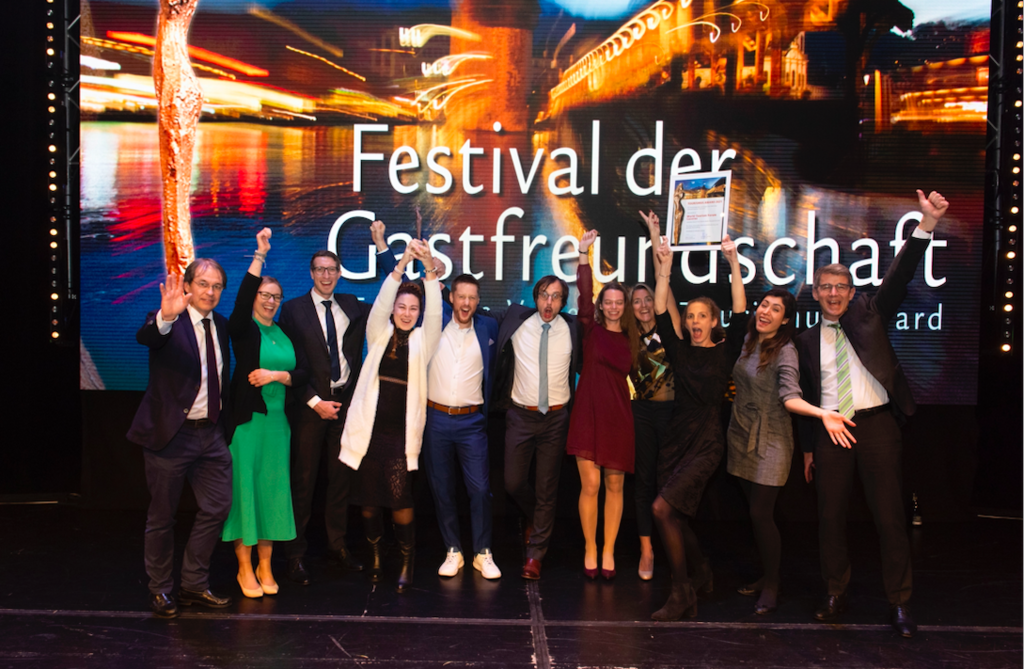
538 353
847 364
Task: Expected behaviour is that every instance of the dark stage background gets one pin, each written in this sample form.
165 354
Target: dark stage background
803 158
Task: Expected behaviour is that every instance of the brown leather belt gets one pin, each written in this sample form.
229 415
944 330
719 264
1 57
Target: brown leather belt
454 411
553 407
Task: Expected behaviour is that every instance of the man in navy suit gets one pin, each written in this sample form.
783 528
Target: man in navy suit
847 364
328 331
459 382
180 426
538 354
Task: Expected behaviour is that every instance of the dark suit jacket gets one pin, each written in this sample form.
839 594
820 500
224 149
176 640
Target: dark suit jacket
866 324
510 321
486 329
247 399
300 320
174 377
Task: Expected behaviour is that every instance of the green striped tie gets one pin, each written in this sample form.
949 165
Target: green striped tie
845 386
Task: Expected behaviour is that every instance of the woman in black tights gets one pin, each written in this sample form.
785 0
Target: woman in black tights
701 361
760 436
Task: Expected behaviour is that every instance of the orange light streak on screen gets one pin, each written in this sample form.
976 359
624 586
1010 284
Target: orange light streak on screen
194 51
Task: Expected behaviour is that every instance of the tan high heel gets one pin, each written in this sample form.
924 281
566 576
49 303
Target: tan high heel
268 588
251 594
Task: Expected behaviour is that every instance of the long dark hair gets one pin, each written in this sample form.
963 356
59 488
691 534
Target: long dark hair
770 347
627 322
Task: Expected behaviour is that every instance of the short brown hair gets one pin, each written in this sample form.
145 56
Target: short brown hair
465 278
200 265
324 253
546 281
835 268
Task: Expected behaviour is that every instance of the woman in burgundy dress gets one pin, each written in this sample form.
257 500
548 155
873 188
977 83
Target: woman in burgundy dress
601 425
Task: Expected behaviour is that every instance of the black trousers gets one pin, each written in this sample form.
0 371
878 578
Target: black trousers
199 455
529 433
877 457
316 441
651 421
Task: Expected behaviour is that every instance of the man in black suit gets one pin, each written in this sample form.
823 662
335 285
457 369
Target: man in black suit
538 354
847 364
180 426
328 331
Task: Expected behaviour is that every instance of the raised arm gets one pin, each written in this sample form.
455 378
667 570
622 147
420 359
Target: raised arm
739 293
661 289
433 309
380 313
585 283
240 322
654 231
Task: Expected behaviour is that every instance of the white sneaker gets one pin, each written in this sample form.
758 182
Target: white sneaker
483 562
452 563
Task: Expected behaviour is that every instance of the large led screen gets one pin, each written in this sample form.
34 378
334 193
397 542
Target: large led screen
515 126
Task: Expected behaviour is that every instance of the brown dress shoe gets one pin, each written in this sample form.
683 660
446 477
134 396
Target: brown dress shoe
531 570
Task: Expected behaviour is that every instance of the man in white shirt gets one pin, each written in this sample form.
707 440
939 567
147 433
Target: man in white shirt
459 383
847 364
538 353
180 427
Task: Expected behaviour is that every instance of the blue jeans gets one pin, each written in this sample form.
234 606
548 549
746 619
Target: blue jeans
463 438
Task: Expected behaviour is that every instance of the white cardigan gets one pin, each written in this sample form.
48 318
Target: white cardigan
422 343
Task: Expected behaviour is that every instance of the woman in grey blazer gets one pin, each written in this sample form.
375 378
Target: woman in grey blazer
767 378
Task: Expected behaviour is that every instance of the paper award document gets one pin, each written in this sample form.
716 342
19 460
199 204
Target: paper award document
698 210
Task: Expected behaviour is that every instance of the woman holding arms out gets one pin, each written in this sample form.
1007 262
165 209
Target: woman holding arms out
600 428
384 430
653 395
767 378
701 362
258 432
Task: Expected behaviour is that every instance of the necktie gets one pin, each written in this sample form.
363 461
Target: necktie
542 386
212 380
332 341
845 386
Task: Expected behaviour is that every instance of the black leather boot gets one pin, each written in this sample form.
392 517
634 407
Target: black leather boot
703 579
405 537
681 602
375 537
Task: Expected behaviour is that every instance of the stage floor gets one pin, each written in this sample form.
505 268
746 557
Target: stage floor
73 594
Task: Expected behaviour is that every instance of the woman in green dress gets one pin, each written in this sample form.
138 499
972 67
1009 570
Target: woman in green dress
258 432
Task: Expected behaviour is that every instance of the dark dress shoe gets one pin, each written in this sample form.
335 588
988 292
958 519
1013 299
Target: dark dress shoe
297 571
163 605
345 558
590 573
831 607
531 570
204 598
902 621
608 574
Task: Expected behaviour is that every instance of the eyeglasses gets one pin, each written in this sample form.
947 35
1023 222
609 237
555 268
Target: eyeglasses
550 296
216 287
840 288
270 297
320 271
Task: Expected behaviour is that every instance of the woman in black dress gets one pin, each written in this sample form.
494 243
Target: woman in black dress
701 361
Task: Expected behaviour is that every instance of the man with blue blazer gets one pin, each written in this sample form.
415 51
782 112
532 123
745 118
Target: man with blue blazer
328 331
847 364
459 382
538 355
180 426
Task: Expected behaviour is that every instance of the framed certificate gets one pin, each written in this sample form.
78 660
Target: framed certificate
698 210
